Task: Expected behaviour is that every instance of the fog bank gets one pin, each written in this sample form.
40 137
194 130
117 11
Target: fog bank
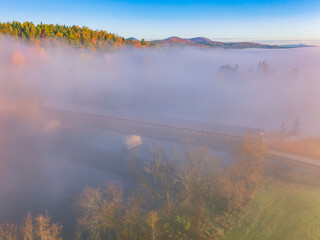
213 85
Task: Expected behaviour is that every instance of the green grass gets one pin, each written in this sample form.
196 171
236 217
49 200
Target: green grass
281 211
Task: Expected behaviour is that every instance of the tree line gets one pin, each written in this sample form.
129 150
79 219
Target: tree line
72 35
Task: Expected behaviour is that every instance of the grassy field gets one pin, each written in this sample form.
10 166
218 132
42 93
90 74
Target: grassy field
281 211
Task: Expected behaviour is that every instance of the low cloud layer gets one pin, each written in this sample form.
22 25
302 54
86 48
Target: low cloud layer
221 86
254 88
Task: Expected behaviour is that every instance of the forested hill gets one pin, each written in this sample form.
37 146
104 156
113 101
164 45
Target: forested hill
74 35
208 43
85 37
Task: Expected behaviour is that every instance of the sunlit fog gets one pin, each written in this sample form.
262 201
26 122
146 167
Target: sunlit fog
161 142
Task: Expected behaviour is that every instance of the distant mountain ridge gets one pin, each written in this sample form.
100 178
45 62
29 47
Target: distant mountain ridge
206 42
84 37
200 40
297 45
132 38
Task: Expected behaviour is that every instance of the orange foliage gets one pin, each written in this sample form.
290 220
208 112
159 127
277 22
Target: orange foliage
303 147
18 60
239 183
39 228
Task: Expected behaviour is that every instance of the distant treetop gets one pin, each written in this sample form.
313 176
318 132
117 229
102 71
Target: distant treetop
82 37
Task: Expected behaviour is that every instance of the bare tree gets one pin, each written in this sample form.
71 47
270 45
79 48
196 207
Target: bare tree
287 130
264 68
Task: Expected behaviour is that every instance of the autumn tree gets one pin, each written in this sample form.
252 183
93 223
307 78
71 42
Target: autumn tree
72 35
103 213
239 182
9 231
39 228
180 195
172 190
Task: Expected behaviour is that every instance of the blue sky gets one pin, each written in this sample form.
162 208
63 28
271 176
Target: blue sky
229 19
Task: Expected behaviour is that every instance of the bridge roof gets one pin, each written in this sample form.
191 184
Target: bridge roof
209 127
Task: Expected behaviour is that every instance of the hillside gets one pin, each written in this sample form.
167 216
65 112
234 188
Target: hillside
74 35
100 39
205 42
